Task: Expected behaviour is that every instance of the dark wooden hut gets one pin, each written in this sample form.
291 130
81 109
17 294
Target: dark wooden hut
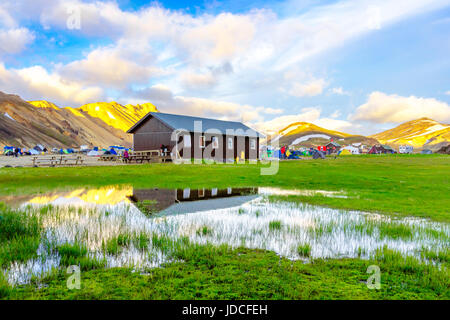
189 137
381 148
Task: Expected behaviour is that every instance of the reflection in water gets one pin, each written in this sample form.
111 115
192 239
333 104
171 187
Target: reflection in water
179 201
107 195
233 216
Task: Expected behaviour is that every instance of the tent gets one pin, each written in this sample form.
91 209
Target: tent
34 152
8 149
427 151
345 152
351 149
93 153
112 151
318 154
39 148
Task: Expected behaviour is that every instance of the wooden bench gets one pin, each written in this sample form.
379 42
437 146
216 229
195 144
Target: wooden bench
71 161
141 156
54 161
45 161
148 155
108 157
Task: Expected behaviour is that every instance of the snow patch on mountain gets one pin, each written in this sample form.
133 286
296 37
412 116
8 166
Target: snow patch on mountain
310 136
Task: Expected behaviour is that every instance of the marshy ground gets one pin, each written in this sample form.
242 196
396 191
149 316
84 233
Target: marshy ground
302 234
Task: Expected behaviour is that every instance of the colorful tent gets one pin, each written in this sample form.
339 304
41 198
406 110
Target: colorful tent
345 152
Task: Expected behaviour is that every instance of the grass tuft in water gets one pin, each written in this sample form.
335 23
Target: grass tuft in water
204 231
395 231
275 225
77 254
304 250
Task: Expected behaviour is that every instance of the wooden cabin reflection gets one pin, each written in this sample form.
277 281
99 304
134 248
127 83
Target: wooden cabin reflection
162 199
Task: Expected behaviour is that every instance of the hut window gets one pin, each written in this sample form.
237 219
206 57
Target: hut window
202 141
201 193
253 144
215 142
187 140
214 192
230 143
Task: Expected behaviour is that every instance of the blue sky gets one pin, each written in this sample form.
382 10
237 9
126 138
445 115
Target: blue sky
357 66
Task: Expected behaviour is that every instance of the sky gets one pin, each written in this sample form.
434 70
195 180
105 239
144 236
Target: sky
355 66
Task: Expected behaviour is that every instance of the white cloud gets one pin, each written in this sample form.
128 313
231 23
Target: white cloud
15 40
35 83
336 114
383 108
116 66
166 101
448 93
339 91
311 88
195 80
6 20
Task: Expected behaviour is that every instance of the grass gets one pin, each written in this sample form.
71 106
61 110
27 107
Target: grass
204 231
395 231
274 225
20 234
208 272
395 184
304 250
77 254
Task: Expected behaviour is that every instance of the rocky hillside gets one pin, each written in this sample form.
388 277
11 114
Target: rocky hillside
26 124
304 134
421 133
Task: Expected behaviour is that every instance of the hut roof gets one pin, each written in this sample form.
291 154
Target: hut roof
176 121
334 144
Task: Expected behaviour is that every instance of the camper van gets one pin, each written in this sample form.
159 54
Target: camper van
405 149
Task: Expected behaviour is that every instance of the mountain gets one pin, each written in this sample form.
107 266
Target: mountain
420 133
309 135
116 115
26 124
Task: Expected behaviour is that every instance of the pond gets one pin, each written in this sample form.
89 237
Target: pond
100 219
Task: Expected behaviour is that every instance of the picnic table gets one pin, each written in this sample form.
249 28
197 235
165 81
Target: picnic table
53 161
147 155
108 157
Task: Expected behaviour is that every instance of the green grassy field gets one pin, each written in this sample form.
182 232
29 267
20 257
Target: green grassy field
395 185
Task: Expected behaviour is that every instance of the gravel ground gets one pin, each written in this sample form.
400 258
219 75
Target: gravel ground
27 161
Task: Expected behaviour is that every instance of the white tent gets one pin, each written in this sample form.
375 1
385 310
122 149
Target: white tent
352 149
93 153
34 152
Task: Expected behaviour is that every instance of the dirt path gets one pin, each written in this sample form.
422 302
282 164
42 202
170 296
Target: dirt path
27 161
